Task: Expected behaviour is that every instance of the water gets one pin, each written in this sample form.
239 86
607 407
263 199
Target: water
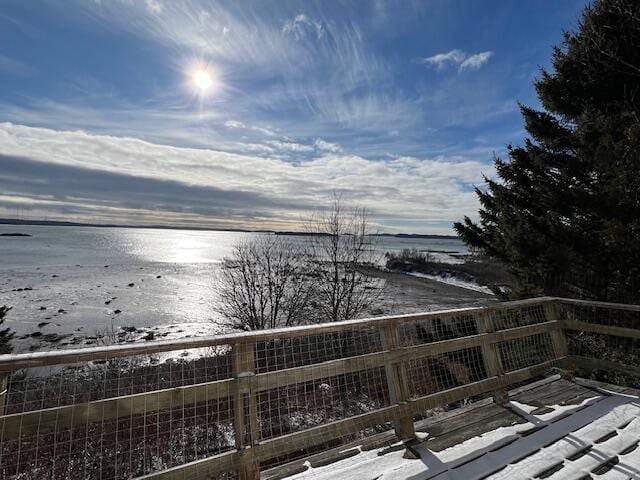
66 246
78 278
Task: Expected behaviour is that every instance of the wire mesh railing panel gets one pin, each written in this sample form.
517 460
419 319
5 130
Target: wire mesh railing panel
125 447
56 386
611 316
112 419
624 353
594 333
282 353
518 317
621 350
442 372
435 373
525 352
438 329
309 404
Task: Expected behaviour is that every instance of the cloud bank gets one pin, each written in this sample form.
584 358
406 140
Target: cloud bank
93 176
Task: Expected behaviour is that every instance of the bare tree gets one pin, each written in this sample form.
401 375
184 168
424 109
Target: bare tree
6 335
263 284
342 243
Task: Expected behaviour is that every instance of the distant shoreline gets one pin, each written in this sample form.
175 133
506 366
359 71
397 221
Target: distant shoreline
58 223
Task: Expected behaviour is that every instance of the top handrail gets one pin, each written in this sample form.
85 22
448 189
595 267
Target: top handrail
12 362
599 304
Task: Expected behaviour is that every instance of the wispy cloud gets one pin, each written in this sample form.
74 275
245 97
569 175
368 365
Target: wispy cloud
154 6
474 62
457 58
301 26
290 146
236 124
321 144
442 60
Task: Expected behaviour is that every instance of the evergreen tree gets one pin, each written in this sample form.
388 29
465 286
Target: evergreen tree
5 335
564 213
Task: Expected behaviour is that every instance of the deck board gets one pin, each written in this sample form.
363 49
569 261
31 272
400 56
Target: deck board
561 392
462 431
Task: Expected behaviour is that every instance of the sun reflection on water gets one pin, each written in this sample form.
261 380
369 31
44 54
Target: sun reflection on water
178 246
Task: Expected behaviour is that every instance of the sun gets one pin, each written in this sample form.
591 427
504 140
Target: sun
202 80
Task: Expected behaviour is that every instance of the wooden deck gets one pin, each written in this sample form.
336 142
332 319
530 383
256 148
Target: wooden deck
247 402
534 432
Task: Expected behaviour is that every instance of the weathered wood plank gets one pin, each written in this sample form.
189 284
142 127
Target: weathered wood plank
316 371
443 346
200 469
536 396
606 388
397 382
469 418
323 433
592 303
4 382
487 421
244 365
560 392
524 331
602 329
558 338
592 364
490 355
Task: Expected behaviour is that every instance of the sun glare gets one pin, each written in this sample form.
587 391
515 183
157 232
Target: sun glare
202 80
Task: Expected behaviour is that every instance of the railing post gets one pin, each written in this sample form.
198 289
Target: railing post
558 337
244 399
491 356
4 391
396 373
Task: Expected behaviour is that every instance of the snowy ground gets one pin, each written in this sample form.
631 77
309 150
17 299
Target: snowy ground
451 280
578 440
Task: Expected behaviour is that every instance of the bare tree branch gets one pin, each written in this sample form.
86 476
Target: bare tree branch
341 243
264 285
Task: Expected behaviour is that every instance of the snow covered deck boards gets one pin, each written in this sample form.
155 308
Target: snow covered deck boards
555 429
452 431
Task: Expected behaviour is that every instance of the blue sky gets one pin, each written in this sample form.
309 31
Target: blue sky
397 106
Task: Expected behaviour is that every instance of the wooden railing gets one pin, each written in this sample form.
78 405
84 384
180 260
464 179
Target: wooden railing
247 400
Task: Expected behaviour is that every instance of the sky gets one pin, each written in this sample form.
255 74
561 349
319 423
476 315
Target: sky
254 115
